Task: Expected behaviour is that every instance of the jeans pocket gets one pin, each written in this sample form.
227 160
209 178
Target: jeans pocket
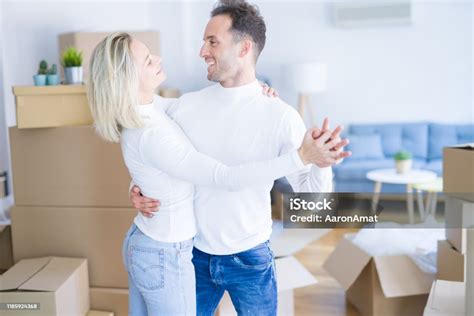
147 267
260 258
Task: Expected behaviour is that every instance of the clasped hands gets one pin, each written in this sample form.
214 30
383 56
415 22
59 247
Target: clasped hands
323 147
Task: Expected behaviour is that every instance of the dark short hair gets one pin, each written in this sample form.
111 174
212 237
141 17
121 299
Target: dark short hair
246 21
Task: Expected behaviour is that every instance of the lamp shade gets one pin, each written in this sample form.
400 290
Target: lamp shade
306 77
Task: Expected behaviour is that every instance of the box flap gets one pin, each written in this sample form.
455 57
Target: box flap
285 242
53 275
2 228
291 274
21 272
400 276
346 263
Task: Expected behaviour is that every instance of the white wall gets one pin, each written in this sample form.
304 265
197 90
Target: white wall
391 73
379 74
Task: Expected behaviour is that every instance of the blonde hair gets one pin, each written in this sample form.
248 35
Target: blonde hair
113 87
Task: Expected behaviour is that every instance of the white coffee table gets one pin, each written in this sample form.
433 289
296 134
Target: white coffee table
409 178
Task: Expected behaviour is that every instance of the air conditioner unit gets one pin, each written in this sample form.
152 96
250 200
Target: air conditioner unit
354 14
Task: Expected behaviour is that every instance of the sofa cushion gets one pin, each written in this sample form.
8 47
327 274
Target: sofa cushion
435 166
442 135
395 137
365 146
357 169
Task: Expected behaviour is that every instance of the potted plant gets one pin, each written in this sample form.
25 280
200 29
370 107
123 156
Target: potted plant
52 78
72 63
40 77
403 161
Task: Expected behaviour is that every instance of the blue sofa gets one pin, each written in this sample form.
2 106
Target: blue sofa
374 145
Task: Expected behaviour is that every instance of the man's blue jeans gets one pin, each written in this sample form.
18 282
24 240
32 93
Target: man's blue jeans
248 276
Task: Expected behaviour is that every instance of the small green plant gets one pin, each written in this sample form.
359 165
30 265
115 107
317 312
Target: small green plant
53 70
402 155
43 68
72 58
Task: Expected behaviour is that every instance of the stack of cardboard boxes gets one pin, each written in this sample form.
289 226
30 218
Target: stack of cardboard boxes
395 285
455 258
71 190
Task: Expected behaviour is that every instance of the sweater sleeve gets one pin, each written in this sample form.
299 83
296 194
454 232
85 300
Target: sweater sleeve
165 147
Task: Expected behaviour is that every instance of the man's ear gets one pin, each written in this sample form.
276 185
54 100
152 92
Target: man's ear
247 47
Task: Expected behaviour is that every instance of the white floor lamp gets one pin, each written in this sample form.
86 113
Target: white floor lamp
306 79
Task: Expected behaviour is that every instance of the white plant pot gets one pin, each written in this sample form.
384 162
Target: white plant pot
403 166
73 75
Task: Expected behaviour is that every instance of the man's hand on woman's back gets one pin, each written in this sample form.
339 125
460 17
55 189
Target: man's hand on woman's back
147 206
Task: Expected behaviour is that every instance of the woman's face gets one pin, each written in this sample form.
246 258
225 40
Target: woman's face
150 74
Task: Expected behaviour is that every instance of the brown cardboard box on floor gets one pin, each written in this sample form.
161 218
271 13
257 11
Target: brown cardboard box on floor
93 233
450 262
87 41
446 299
459 214
458 170
59 285
51 106
67 166
114 300
6 255
381 285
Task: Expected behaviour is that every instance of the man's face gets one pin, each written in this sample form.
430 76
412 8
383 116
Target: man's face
219 50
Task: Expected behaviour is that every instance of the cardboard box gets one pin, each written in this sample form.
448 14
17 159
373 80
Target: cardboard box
381 285
93 233
59 285
458 168
114 300
87 41
459 214
99 313
68 166
51 106
446 299
291 274
450 262
6 255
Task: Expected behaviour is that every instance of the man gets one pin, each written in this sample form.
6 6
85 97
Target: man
233 122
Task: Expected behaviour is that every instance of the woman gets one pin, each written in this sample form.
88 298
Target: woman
164 164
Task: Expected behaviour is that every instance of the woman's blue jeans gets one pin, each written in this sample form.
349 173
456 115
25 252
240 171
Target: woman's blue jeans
161 275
